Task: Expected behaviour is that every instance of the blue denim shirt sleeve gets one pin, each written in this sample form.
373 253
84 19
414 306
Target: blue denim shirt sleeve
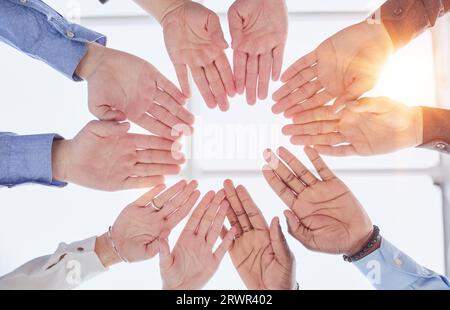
36 29
388 268
27 159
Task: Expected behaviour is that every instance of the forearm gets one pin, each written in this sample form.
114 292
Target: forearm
37 30
436 129
70 265
27 159
160 8
406 19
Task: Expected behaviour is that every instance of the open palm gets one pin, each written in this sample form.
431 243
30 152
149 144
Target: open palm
259 253
324 215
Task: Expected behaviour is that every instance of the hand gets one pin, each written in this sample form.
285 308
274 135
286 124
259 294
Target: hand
344 66
363 125
259 32
324 215
140 225
192 262
104 156
123 86
194 38
260 254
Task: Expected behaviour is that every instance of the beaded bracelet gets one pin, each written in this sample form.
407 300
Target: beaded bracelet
374 239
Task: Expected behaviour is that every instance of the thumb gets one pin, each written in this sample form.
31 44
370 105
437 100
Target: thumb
106 129
106 113
356 89
278 241
368 105
235 26
215 31
165 258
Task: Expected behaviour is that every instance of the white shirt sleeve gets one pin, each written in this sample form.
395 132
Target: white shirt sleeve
71 265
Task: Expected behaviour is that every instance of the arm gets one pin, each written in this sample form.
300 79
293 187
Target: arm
436 129
27 159
388 268
406 19
37 30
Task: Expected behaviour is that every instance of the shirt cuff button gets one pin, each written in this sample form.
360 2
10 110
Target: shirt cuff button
80 249
70 34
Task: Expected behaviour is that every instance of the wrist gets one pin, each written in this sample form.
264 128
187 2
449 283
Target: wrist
172 7
60 160
105 252
417 126
91 60
365 246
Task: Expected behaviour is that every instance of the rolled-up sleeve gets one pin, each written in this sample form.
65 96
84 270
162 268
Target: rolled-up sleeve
406 19
388 268
27 159
36 29
71 265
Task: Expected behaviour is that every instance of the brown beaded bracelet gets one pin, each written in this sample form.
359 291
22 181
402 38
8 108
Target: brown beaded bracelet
374 239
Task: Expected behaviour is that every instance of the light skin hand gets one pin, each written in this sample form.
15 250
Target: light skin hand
260 253
359 128
192 262
122 86
139 227
259 32
194 39
343 67
323 213
105 156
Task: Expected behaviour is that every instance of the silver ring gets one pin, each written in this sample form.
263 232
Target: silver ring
152 204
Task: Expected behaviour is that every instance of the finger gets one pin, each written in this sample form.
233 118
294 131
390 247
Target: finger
265 64
295 82
217 224
281 189
217 87
224 69
148 196
321 167
240 66
197 215
301 64
297 167
326 139
160 157
165 258
315 101
175 218
234 221
171 105
167 86
284 173
210 215
297 97
153 142
279 243
315 115
178 200
144 170
158 128
107 129
315 128
225 245
169 193
277 64
251 78
182 75
236 205
198 73
339 151
255 216
165 117
142 182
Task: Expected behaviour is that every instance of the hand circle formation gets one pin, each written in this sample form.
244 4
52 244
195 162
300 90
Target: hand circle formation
321 95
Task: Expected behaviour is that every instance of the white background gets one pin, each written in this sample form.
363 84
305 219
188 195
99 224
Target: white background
36 99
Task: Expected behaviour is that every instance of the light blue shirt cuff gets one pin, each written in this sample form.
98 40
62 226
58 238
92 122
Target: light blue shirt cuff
36 29
27 159
388 268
